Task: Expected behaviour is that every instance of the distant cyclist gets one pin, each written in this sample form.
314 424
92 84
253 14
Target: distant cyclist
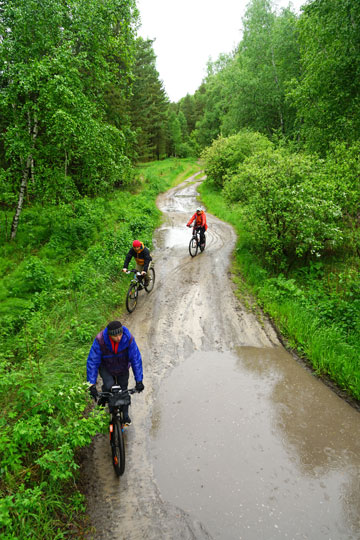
199 219
113 351
142 257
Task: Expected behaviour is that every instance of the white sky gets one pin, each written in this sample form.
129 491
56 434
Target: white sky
188 33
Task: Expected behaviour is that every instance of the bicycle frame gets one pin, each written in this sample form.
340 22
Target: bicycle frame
117 399
137 279
196 234
195 244
137 283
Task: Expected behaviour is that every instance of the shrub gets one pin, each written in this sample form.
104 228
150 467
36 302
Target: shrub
225 155
74 225
342 166
289 206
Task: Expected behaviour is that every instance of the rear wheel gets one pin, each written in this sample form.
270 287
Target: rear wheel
118 448
193 247
149 287
131 298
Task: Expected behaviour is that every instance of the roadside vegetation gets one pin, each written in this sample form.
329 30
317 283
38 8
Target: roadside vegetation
298 244
60 284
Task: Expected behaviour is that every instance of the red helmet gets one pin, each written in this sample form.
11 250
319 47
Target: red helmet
136 243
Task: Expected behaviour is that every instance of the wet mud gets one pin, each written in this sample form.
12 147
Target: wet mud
232 438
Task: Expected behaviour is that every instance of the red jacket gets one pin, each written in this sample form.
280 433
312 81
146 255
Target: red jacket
200 220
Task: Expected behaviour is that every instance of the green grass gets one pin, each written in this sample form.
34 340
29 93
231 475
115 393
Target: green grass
173 171
330 344
59 287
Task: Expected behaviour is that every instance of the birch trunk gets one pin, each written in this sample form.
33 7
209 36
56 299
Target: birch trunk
23 185
33 131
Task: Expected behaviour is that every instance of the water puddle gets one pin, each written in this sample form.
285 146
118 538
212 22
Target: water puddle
255 447
169 237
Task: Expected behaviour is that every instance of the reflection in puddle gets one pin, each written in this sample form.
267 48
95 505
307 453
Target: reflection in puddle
169 237
255 447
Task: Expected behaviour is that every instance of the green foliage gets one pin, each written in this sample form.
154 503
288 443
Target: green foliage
36 275
46 428
268 57
290 77
148 104
76 224
225 154
288 206
343 167
179 143
175 135
248 88
212 103
57 62
326 95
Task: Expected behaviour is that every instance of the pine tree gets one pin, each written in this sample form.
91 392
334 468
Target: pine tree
148 105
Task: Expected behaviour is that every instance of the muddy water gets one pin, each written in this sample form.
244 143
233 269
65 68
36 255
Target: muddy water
231 438
255 447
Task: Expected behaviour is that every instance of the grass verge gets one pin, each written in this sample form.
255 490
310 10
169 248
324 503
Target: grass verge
307 316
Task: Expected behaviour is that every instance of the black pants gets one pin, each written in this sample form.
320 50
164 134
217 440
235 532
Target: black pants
202 235
109 380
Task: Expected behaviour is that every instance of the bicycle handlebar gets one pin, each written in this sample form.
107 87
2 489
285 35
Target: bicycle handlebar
127 391
133 271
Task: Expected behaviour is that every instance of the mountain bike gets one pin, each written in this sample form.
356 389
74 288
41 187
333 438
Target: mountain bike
116 400
194 244
137 283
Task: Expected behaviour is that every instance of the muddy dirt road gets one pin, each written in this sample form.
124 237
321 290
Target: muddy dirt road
232 438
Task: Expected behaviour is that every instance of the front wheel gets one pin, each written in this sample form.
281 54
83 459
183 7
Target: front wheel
131 298
117 447
193 247
149 287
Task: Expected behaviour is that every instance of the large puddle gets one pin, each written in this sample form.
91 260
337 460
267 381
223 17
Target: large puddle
255 447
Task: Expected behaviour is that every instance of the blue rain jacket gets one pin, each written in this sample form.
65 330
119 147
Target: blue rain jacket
128 354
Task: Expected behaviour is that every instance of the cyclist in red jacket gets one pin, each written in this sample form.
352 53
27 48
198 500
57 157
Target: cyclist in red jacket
199 219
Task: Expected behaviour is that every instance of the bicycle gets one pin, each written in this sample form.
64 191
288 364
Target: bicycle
194 244
136 285
116 400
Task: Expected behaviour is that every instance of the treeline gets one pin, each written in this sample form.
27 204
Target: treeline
292 78
80 102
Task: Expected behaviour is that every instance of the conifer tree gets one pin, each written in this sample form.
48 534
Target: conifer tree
148 105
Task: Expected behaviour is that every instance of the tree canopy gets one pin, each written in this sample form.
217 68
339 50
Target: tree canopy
57 61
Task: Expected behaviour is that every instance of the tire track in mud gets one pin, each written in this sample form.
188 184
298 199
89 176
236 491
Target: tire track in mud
192 307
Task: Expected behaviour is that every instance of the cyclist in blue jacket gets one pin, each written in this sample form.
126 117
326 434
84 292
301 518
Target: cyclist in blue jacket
112 353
